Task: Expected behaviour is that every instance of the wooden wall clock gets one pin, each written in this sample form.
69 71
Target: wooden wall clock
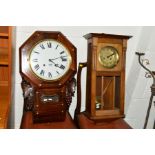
47 67
105 75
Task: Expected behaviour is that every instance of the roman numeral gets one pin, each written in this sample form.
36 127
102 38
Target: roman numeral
62 52
57 72
49 44
35 60
42 72
62 67
56 46
36 67
36 52
49 74
63 58
42 46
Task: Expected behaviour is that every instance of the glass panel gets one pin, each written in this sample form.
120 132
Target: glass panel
49 98
107 93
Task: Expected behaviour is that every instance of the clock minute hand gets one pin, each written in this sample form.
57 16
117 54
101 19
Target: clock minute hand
57 57
110 55
54 58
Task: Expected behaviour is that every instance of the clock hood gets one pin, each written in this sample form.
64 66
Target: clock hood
24 52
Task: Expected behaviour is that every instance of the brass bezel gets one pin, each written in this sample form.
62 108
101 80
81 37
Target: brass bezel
69 57
116 54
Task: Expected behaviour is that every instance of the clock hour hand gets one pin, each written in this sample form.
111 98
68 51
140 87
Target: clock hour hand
51 60
57 65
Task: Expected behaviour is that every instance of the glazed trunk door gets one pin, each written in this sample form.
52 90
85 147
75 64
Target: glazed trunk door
107 100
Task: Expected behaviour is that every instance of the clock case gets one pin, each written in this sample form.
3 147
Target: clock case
48 100
105 91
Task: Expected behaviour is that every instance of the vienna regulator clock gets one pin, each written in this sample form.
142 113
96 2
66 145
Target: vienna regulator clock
47 67
105 76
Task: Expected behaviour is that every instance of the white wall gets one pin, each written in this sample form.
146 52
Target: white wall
75 35
138 86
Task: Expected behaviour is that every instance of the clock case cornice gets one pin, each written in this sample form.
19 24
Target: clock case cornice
25 49
104 35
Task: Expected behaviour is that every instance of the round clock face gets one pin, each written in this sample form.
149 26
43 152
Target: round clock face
108 57
49 60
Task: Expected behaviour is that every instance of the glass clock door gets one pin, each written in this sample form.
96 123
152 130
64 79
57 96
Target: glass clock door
107 93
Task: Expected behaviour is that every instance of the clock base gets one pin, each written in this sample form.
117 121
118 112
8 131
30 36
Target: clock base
100 117
27 123
83 122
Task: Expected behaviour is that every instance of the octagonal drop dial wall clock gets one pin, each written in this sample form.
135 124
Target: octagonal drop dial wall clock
47 67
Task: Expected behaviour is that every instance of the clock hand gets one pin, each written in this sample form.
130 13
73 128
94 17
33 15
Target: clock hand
55 58
58 57
110 55
56 65
51 60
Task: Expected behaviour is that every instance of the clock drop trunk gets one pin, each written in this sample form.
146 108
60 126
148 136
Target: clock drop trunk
49 106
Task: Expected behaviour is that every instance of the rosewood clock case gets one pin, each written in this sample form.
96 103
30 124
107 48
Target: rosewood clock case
43 90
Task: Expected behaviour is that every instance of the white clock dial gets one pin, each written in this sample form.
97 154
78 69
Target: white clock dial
49 60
